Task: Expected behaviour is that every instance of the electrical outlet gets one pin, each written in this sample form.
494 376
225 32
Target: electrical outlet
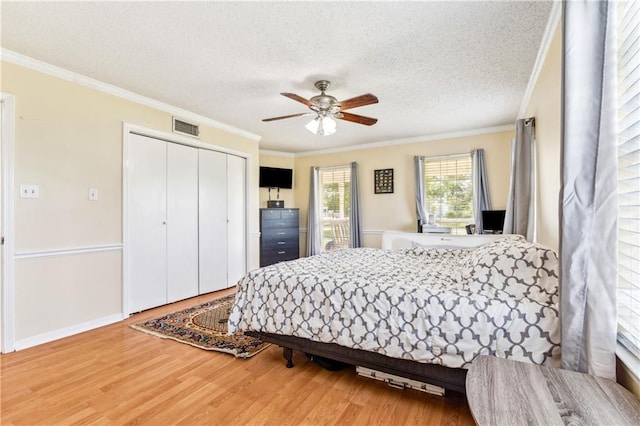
29 191
93 194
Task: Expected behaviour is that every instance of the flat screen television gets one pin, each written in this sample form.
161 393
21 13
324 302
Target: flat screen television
492 221
273 177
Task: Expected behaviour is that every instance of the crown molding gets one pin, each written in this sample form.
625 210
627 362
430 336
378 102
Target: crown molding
276 153
416 139
36 65
547 38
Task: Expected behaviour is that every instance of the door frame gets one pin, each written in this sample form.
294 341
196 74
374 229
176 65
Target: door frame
7 277
127 130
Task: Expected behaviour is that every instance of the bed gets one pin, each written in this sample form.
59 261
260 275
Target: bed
422 307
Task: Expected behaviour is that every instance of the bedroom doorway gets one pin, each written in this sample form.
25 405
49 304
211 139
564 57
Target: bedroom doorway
335 194
7 123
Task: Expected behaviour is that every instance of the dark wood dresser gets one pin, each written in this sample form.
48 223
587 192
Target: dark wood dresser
279 235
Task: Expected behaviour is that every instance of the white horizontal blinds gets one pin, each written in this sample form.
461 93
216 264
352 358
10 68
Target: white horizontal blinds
449 191
335 195
629 175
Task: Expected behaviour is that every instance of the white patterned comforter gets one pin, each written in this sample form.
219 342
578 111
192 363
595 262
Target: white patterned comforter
429 305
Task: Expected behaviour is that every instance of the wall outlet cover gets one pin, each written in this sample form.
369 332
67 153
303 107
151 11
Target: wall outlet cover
93 194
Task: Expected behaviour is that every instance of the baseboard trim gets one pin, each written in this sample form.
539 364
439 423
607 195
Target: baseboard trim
61 333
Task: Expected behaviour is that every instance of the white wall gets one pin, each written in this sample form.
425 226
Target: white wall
545 106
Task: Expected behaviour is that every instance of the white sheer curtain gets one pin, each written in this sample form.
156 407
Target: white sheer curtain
481 198
418 170
588 239
520 215
355 216
314 220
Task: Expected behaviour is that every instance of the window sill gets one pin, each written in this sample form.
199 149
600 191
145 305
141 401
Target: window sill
630 361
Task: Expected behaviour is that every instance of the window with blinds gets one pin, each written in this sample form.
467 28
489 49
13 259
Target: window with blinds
449 192
629 175
335 185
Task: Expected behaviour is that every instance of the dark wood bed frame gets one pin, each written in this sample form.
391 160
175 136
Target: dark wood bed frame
438 375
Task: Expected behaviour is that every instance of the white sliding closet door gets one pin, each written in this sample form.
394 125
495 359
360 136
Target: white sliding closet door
182 222
236 237
213 220
146 206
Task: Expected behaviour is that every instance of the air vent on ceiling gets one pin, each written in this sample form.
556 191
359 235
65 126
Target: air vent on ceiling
189 129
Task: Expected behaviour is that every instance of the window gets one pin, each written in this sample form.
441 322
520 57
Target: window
335 186
629 175
449 192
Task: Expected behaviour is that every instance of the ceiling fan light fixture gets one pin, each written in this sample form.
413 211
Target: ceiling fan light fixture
327 109
323 126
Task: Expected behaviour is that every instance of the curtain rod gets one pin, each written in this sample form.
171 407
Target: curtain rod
443 157
335 167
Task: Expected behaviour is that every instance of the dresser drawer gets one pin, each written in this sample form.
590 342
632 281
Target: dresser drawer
289 214
279 223
279 244
270 214
269 257
291 247
279 233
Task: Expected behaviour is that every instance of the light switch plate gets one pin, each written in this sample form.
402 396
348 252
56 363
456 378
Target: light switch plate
29 191
93 194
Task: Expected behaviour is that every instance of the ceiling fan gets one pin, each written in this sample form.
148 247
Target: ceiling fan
327 108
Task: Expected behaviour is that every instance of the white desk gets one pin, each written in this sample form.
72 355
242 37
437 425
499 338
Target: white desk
429 229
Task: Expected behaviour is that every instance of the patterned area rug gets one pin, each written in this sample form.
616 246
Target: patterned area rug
205 327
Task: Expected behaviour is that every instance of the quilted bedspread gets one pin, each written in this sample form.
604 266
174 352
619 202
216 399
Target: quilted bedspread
429 305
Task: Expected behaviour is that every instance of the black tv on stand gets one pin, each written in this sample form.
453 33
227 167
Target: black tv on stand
493 221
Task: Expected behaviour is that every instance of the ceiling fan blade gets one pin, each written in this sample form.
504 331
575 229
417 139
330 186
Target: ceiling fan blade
360 119
358 101
287 116
297 98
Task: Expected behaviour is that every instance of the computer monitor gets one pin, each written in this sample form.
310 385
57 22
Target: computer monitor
492 221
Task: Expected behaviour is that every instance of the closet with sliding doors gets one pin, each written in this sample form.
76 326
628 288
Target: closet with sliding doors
185 221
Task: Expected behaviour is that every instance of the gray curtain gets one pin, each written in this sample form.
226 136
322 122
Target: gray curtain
314 226
418 162
355 216
481 198
520 215
588 212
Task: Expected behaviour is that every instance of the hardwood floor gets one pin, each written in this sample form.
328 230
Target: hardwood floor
117 375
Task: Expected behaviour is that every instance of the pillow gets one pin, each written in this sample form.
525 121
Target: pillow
520 268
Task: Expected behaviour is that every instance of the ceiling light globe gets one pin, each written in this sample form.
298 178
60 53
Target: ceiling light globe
312 126
328 126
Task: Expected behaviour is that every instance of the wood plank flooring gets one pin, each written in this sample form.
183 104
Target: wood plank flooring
117 375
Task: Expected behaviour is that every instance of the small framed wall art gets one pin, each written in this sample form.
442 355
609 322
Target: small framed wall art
383 181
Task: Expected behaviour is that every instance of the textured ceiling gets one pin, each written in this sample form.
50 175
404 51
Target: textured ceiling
437 67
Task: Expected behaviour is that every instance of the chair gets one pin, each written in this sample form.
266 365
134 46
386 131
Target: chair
340 230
